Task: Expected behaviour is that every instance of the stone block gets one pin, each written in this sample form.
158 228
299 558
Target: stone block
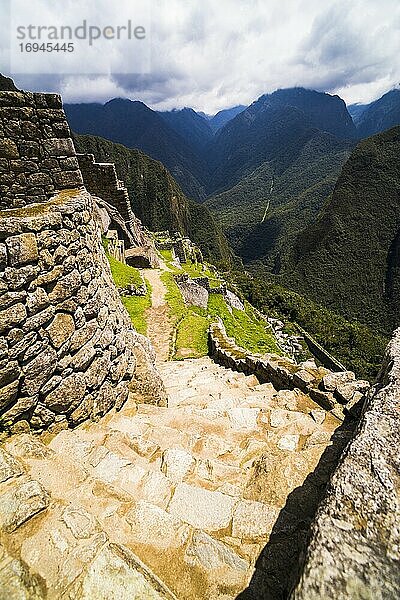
154 526
61 329
68 179
12 316
20 503
59 147
38 371
69 393
177 463
8 394
209 554
22 249
202 508
252 520
9 466
8 149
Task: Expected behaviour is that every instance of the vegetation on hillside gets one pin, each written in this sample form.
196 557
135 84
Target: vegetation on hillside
262 214
348 259
191 324
355 345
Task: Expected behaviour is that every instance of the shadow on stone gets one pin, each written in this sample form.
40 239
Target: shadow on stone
277 567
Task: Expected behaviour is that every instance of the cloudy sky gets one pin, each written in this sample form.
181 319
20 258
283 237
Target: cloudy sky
212 54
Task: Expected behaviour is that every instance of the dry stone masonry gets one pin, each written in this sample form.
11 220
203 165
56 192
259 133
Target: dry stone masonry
37 155
68 347
338 392
101 181
68 351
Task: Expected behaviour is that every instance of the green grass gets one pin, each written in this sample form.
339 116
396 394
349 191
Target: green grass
124 275
191 338
192 323
136 307
245 326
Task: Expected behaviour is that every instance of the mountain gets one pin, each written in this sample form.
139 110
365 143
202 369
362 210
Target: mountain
380 115
275 127
264 212
349 258
191 126
7 84
157 199
135 125
224 116
356 111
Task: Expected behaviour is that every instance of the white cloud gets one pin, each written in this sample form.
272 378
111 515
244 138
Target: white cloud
213 54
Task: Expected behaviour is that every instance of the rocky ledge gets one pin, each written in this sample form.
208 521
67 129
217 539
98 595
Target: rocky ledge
354 550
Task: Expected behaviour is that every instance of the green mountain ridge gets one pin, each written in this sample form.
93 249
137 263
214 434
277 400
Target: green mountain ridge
348 259
263 213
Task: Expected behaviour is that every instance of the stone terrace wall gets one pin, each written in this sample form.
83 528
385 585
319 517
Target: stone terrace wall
335 392
101 180
67 347
354 550
37 155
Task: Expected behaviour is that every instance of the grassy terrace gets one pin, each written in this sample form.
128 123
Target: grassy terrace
136 307
192 324
124 275
193 270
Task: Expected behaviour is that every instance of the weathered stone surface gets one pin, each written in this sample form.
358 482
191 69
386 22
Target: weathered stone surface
233 300
65 286
289 442
21 502
156 488
194 294
208 553
38 371
201 508
16 581
69 393
9 466
22 249
60 329
152 525
12 316
252 520
8 394
354 545
81 524
117 573
332 380
176 464
243 418
37 301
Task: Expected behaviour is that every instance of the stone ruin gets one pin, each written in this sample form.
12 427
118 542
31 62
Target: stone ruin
68 349
69 353
182 248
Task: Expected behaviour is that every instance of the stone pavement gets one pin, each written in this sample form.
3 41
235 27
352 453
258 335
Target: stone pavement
153 502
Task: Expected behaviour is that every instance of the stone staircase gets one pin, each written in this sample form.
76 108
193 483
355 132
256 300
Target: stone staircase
154 502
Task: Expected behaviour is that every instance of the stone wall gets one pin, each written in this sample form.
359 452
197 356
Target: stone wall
339 393
355 539
68 349
101 180
37 155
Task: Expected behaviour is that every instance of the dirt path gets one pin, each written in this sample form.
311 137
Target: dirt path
159 328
